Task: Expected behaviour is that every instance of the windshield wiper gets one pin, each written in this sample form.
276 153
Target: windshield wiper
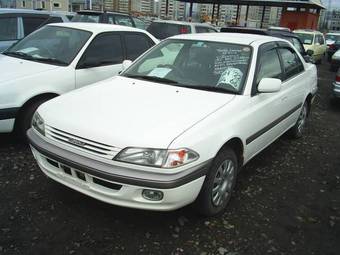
51 60
210 88
153 78
18 54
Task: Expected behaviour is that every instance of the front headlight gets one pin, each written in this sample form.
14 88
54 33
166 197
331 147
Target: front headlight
157 157
38 123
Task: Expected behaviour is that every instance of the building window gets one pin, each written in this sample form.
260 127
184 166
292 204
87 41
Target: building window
56 5
43 6
23 4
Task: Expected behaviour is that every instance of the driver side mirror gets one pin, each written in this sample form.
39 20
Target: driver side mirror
269 85
126 64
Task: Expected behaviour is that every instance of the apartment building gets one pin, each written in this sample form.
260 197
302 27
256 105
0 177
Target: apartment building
49 5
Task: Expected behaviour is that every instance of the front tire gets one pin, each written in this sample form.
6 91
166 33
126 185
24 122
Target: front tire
297 130
219 184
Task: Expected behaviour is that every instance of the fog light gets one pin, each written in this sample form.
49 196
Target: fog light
153 195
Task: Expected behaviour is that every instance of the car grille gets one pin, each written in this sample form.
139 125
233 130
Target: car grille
83 144
81 176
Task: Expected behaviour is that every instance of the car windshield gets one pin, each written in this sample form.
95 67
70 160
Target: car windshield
335 38
165 30
211 66
50 44
89 18
305 38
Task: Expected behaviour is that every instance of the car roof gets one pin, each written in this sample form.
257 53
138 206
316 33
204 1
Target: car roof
97 27
259 31
89 12
182 23
237 38
333 33
28 11
307 31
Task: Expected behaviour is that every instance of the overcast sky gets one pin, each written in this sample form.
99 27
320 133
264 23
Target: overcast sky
335 3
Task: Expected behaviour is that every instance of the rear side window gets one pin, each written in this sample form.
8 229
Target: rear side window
291 63
123 20
270 66
164 30
297 44
8 29
202 30
31 24
86 18
133 49
105 49
321 39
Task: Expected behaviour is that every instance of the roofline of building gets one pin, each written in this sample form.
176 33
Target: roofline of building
271 3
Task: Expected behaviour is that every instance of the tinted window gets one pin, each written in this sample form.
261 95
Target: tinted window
133 49
50 44
8 29
105 49
202 30
52 20
164 30
298 45
270 66
291 62
86 18
31 24
306 38
123 20
110 20
139 23
321 39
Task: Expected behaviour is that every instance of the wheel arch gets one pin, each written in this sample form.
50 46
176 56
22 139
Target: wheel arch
237 146
47 96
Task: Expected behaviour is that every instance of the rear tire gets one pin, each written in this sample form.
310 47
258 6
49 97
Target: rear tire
297 130
24 120
219 184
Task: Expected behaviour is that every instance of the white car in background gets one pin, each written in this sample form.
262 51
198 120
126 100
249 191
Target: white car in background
162 29
58 58
178 124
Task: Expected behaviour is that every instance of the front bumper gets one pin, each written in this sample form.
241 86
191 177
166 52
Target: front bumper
336 89
7 119
115 184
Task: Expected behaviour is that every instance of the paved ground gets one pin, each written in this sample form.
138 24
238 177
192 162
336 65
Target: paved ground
287 201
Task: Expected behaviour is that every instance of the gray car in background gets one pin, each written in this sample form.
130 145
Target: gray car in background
15 24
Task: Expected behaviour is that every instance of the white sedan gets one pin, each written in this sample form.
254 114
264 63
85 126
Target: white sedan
59 58
178 124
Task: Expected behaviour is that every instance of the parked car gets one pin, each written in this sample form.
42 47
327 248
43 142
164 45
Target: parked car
58 58
15 24
336 85
162 29
313 40
178 124
118 18
333 44
335 61
280 33
274 28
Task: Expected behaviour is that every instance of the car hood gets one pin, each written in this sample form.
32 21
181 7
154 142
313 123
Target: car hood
16 68
126 112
